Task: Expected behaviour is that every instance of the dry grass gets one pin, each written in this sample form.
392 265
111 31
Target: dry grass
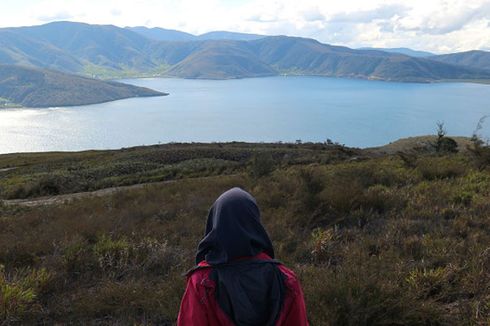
374 242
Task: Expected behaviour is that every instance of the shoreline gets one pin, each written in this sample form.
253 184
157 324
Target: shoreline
388 148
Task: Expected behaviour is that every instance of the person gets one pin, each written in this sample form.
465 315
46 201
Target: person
236 280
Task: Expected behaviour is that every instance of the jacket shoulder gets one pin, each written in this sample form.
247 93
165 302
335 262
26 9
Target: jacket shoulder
290 279
200 276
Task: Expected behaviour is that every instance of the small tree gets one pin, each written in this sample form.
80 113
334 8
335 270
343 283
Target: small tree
444 144
481 148
262 164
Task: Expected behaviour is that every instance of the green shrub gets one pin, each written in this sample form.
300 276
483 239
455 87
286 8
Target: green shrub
440 168
261 165
19 291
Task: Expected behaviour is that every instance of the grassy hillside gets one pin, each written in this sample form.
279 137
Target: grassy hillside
310 57
221 60
475 59
31 87
375 239
106 51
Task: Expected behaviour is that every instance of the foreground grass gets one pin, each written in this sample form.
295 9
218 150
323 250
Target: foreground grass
374 240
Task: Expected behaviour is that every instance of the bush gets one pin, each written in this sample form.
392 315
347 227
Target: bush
261 165
433 168
19 291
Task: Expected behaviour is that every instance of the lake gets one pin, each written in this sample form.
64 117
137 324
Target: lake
353 112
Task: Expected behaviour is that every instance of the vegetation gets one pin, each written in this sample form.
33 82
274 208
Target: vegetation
161 34
5 103
374 238
30 87
45 174
106 51
475 59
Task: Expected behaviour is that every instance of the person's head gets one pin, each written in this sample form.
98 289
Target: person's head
233 230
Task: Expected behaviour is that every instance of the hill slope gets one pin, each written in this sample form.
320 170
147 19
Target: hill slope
310 57
404 51
110 51
373 240
162 34
475 59
221 60
31 87
170 35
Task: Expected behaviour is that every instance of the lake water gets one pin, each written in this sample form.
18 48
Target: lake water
353 112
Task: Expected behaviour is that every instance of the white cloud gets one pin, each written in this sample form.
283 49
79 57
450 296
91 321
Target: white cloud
435 25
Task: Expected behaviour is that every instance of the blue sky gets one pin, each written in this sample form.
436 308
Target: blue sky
434 25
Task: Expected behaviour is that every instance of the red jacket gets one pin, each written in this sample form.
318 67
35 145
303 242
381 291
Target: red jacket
200 308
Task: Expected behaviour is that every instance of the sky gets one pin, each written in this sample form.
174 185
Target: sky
439 26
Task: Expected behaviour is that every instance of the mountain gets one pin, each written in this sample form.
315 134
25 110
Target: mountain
405 51
107 51
301 56
222 60
475 59
230 36
162 34
34 87
73 47
170 35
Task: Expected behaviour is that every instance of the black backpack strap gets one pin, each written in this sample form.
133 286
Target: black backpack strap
235 263
195 268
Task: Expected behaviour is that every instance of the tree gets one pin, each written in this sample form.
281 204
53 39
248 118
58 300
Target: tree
444 144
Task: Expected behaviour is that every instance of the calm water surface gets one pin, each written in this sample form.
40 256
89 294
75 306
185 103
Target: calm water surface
353 112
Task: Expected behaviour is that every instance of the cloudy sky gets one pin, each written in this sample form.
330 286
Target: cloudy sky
434 25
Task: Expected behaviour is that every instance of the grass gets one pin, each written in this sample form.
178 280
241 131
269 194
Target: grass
5 103
47 174
105 73
374 240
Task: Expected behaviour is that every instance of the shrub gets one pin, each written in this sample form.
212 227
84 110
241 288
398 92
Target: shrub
444 144
19 291
428 282
433 168
325 245
262 164
311 184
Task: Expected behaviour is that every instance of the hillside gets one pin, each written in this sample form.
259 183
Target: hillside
475 59
375 239
404 51
310 57
221 60
162 34
170 35
32 87
106 51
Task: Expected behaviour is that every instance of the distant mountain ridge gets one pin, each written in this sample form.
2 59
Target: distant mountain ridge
170 35
475 59
405 51
34 87
107 51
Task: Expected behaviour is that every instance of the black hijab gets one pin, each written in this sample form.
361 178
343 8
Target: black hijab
233 230
250 292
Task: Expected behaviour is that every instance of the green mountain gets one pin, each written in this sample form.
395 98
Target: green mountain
221 60
475 59
75 47
106 51
34 87
309 57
